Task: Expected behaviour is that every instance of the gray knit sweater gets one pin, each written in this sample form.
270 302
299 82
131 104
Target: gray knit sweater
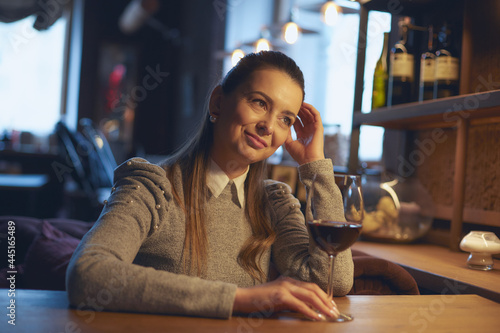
131 260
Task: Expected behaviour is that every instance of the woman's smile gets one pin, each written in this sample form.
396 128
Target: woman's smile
255 141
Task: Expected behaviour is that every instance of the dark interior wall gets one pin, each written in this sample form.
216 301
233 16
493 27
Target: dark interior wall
203 28
180 56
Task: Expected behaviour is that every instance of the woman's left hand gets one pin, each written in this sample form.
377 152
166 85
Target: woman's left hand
309 145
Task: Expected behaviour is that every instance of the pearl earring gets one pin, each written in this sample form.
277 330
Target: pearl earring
212 119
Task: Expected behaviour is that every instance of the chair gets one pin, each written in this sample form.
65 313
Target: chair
74 151
92 175
101 146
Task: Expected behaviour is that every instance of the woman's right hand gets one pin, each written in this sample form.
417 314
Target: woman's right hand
309 145
285 293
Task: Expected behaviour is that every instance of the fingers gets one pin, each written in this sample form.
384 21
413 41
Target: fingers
307 298
286 294
299 129
309 114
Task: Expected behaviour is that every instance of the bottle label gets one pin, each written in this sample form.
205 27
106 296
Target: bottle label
447 68
402 65
427 69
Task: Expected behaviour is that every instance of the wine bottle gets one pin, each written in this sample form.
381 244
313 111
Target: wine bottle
427 70
379 94
447 65
401 70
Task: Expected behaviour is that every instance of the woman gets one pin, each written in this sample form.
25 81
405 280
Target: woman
198 234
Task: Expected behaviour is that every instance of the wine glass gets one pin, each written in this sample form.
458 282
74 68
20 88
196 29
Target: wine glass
330 231
352 197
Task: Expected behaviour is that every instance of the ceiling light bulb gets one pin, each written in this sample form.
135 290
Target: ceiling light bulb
291 32
330 13
236 56
262 45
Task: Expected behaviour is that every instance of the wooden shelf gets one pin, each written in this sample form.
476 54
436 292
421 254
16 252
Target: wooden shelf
473 216
436 268
474 25
442 113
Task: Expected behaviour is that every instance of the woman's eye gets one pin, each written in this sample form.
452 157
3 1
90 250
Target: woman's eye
287 121
260 103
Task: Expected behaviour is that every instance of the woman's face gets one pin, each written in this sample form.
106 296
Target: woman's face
254 120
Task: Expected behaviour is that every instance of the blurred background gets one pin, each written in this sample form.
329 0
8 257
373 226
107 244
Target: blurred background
138 74
87 84
142 70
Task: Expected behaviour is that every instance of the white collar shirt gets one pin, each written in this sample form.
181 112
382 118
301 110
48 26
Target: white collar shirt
217 180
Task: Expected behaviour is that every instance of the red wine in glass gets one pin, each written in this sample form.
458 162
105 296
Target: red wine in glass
331 235
334 237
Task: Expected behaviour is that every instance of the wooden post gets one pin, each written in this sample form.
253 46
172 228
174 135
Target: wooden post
358 89
459 184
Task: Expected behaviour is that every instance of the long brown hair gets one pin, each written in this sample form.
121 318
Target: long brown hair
193 159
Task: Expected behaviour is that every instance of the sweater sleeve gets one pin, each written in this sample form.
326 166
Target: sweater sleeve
101 274
294 252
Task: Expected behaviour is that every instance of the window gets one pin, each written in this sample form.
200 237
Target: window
31 76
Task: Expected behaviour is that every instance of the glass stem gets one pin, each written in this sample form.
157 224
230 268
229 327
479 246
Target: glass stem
330 275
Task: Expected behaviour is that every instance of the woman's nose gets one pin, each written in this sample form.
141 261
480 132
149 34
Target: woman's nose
265 127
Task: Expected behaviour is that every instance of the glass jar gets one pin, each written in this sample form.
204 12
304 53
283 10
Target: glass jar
396 209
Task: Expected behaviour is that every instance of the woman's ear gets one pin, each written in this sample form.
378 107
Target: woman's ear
215 104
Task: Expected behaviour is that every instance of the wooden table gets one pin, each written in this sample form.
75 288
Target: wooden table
48 311
435 268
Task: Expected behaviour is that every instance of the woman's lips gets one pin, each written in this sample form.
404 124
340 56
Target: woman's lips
255 141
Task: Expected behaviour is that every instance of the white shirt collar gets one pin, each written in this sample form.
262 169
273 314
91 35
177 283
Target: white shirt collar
217 180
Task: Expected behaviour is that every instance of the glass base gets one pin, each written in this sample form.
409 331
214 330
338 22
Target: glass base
343 317
480 261
296 315
480 267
